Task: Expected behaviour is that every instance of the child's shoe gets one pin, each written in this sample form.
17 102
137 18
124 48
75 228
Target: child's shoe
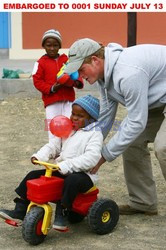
60 221
17 214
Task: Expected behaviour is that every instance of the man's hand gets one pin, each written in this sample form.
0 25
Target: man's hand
78 84
96 168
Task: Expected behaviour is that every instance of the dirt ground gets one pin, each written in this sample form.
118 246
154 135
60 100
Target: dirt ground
21 134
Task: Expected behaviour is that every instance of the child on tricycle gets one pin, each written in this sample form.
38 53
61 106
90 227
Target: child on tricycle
75 156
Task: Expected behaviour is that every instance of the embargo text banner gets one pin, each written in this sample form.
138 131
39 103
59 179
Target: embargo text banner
83 6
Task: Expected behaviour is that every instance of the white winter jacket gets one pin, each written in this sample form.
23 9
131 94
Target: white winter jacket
80 152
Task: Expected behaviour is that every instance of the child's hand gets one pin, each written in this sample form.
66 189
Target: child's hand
56 87
63 171
34 159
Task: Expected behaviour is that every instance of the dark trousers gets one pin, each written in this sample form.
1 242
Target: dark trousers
73 184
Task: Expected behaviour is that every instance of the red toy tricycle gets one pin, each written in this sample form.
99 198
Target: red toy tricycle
102 214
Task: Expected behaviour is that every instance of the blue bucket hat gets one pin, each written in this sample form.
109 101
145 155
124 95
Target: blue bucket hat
90 104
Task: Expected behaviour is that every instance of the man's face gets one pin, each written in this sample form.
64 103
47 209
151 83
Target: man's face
93 71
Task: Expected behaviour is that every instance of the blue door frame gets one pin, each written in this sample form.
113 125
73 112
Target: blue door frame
5 30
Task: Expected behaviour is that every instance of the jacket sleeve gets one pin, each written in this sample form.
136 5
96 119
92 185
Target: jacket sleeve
135 92
108 109
49 151
87 160
38 79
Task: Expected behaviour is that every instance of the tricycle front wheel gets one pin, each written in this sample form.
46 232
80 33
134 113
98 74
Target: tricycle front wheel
31 227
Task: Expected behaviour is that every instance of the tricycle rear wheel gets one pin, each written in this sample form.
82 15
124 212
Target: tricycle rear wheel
103 216
31 227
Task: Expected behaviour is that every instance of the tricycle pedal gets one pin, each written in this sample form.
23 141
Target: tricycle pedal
13 223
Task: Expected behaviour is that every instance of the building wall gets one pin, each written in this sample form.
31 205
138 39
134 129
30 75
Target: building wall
151 27
28 28
104 27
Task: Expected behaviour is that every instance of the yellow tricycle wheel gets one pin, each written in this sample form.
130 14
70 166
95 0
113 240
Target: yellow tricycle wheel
106 217
103 216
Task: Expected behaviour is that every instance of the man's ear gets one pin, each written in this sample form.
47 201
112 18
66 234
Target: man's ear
95 59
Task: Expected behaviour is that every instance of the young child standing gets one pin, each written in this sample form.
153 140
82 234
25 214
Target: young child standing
75 156
57 97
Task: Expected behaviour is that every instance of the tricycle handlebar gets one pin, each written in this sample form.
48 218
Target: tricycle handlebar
54 167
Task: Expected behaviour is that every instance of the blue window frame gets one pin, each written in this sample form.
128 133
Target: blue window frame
5 30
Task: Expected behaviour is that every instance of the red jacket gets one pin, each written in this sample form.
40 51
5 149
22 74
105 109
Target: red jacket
45 76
